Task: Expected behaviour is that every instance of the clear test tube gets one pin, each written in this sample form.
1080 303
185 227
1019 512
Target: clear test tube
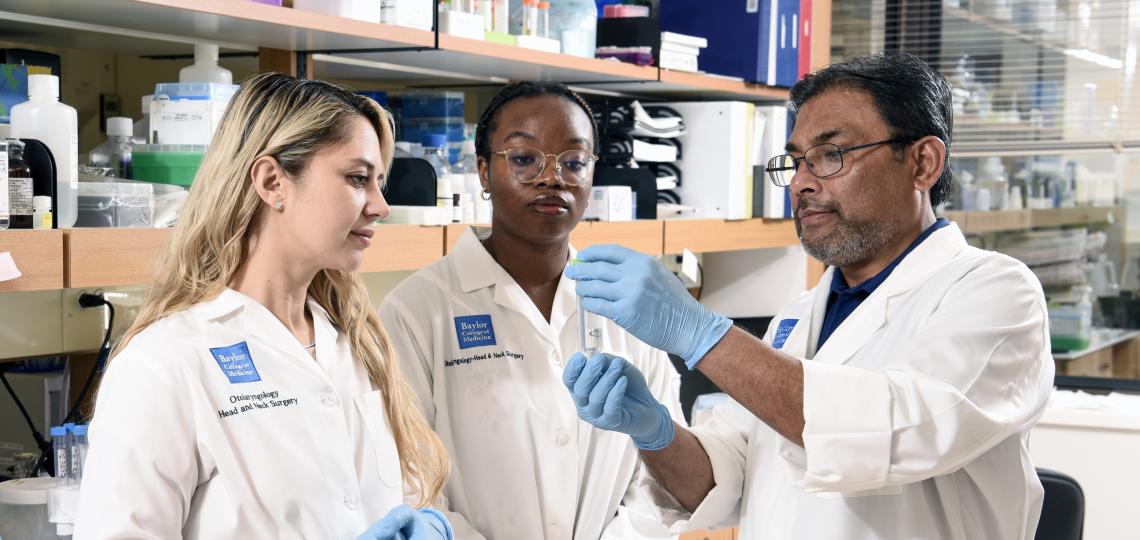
70 428
590 331
62 452
78 452
590 328
544 19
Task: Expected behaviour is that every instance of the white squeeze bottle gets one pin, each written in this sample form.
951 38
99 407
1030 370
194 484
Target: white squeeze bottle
205 67
44 118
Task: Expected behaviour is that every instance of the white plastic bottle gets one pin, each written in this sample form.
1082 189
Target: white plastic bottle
456 181
115 152
468 166
142 125
435 152
41 213
500 17
44 118
205 68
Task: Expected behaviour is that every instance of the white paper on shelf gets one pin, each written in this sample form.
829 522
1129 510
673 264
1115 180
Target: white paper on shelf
8 269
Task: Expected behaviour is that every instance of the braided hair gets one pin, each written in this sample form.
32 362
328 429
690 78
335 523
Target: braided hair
524 89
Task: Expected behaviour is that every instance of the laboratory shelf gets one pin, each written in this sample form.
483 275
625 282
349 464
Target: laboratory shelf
108 257
982 222
707 235
38 255
343 48
997 221
128 25
403 247
501 61
646 235
680 85
1056 217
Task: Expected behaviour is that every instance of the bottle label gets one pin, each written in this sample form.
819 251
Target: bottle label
61 461
20 196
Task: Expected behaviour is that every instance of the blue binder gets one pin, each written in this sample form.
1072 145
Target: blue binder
739 34
787 42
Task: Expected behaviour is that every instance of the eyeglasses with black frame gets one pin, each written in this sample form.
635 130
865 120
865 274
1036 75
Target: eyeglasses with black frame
527 163
823 160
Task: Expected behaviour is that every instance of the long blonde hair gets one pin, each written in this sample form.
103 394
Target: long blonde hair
289 119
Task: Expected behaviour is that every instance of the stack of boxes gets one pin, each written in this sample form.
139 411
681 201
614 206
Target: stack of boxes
679 52
434 113
183 118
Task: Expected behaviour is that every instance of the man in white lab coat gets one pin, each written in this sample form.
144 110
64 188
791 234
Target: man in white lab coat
892 401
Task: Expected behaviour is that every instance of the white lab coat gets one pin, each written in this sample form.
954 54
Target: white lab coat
178 450
526 468
917 409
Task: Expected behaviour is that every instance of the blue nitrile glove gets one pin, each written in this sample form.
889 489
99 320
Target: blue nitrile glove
640 295
406 523
611 394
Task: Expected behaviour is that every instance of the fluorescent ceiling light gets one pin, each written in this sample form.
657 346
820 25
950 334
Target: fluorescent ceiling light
1095 57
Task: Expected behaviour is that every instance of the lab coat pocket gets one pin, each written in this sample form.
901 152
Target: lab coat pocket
379 434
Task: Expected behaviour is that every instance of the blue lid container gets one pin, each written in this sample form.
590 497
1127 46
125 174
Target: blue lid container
434 141
195 91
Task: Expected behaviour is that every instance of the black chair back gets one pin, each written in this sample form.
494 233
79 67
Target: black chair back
1063 512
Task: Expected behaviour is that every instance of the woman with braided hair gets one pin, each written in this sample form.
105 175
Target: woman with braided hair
483 335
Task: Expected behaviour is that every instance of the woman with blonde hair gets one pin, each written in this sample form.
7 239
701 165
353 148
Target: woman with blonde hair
257 394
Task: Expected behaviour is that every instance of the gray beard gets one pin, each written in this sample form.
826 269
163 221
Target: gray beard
850 243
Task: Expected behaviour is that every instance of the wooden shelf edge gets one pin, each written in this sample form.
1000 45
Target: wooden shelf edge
107 257
398 248
703 81
302 20
646 235
982 222
711 235
38 255
515 53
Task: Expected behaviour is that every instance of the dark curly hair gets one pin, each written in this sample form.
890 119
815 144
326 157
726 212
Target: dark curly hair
523 89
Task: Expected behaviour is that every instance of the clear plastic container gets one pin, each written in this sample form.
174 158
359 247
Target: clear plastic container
115 152
195 91
24 508
115 204
575 24
1070 325
435 152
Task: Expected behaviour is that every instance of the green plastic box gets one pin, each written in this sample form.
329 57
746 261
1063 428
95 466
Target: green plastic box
167 163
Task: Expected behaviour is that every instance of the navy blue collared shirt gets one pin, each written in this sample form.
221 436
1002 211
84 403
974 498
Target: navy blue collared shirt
843 300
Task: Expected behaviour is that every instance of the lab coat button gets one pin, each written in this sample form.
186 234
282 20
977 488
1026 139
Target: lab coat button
562 439
329 399
350 501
